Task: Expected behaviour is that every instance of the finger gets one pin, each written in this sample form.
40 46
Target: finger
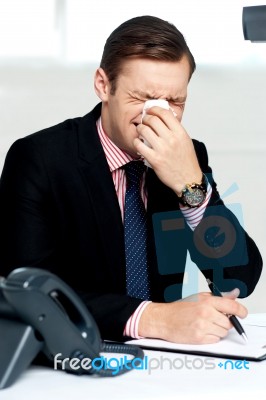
145 132
222 321
157 126
210 339
219 331
229 306
144 150
231 295
211 334
167 117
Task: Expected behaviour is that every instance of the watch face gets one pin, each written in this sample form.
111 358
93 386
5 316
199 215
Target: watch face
195 197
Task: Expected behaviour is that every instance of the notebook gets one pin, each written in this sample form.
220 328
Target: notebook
232 346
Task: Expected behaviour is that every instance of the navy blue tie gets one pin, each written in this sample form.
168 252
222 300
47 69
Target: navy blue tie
135 228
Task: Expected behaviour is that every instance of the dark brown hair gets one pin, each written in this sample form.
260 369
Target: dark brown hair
144 37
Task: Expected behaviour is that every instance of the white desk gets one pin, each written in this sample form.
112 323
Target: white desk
39 383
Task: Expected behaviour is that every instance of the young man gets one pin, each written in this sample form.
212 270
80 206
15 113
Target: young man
64 204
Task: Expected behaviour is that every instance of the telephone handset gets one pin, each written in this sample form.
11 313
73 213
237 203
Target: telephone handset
60 321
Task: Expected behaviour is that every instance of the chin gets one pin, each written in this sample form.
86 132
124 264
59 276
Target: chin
131 152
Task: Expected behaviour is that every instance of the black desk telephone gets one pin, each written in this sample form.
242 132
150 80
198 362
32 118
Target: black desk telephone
40 313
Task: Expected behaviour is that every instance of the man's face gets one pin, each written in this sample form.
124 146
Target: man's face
141 80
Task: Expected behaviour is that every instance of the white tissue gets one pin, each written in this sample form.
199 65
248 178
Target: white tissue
155 102
151 103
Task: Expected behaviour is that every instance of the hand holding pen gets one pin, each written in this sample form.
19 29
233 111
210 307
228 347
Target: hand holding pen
236 324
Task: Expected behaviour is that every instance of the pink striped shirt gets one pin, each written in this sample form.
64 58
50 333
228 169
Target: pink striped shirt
116 158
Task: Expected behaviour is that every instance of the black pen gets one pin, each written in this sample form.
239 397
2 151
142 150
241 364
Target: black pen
236 324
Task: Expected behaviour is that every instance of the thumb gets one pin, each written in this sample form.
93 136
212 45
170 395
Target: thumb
231 295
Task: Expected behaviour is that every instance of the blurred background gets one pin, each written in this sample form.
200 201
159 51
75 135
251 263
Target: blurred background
49 50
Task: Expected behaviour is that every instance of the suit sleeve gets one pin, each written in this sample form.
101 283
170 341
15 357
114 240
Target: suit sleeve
25 209
220 246
29 238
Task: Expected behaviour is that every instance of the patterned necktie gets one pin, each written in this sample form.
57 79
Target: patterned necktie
135 228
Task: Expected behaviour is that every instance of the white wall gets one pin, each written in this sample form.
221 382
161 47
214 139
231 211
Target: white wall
226 109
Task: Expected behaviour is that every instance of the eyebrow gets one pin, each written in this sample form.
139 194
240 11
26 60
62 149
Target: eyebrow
151 96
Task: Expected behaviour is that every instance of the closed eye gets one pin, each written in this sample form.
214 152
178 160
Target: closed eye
180 105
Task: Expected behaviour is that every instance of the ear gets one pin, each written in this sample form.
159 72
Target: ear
101 84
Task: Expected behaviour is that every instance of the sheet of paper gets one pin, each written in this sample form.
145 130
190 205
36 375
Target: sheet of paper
232 346
255 319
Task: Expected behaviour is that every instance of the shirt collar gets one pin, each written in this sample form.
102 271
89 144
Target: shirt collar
115 157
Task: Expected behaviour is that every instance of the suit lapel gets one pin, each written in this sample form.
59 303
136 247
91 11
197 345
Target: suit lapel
98 180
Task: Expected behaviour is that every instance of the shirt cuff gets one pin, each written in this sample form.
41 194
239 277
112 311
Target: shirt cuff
193 216
132 325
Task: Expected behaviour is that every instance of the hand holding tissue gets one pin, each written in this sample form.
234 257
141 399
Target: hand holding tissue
152 103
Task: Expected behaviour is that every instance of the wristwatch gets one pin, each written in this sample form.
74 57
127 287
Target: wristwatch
194 194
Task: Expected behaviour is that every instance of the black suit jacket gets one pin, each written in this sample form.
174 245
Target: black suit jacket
59 211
